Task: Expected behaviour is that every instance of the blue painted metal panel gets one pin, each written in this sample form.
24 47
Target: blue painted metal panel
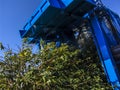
51 11
67 2
76 5
106 56
45 4
57 3
44 13
75 2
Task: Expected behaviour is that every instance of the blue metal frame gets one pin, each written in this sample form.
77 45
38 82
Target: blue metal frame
54 15
51 11
43 14
105 53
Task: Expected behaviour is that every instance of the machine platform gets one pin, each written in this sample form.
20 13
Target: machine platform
54 14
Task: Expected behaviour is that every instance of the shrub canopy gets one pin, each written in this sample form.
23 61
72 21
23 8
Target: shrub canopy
52 68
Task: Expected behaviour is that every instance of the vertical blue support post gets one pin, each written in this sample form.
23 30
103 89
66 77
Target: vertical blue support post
104 52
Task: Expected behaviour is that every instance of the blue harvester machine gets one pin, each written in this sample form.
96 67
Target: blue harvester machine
62 20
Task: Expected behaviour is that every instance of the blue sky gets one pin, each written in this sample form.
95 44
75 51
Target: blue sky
113 5
15 13
13 16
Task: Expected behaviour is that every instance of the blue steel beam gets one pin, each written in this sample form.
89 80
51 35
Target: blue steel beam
44 13
105 53
55 13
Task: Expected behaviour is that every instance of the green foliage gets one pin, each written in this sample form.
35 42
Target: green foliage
63 68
